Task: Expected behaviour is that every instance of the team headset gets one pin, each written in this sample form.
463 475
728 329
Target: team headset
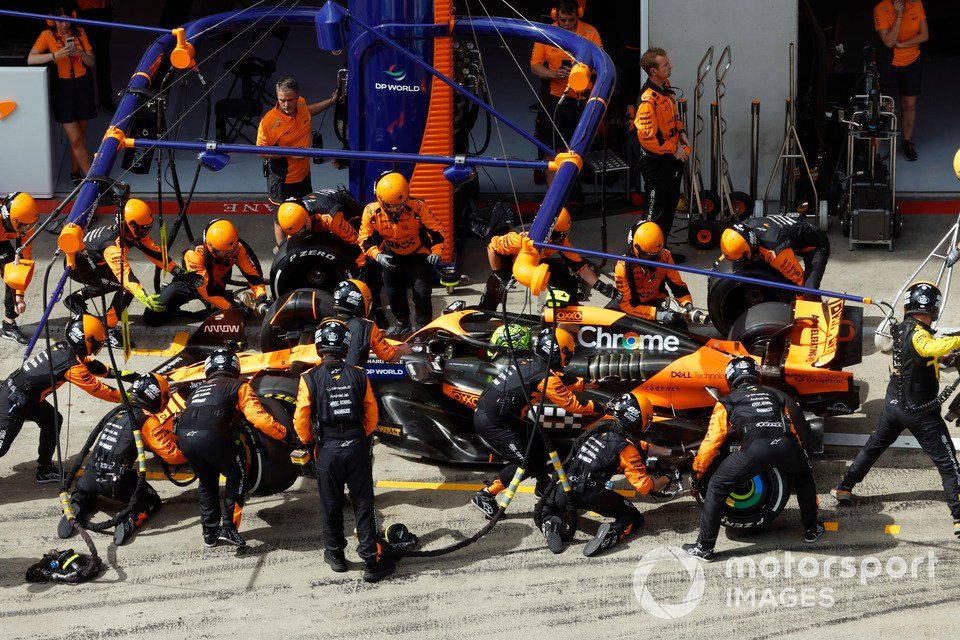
581 4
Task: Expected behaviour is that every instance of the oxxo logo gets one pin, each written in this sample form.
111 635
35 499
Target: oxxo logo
597 337
396 76
672 610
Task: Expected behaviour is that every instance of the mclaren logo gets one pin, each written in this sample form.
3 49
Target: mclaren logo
463 397
598 338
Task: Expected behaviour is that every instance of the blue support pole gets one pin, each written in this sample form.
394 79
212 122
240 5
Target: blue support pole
706 272
57 292
373 156
84 21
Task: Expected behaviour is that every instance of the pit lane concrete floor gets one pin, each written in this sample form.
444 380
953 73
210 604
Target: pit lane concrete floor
167 585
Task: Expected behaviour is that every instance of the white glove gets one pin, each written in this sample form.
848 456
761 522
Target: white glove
433 259
386 261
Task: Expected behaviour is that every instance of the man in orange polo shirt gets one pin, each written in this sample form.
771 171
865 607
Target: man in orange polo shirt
902 27
288 125
554 64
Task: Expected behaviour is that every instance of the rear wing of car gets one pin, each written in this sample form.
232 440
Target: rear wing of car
826 335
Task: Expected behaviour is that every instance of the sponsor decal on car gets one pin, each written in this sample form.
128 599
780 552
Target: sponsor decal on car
390 431
598 337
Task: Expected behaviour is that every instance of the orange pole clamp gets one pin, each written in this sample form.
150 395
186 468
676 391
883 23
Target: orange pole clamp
70 242
579 78
565 157
18 274
182 56
527 269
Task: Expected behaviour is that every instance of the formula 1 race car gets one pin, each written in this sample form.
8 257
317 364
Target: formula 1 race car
427 400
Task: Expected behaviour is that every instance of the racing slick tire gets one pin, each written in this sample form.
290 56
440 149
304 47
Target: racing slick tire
759 324
316 261
757 502
291 314
726 299
269 469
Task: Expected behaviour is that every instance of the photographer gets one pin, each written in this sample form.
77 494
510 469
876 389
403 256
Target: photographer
73 97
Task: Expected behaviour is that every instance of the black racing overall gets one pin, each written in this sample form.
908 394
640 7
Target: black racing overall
912 404
360 330
501 421
22 397
342 454
93 272
809 243
759 416
110 470
204 434
591 463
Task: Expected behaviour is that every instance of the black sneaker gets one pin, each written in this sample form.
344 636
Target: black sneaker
11 331
606 537
698 552
909 152
47 474
210 538
65 529
378 571
844 495
336 560
123 532
553 531
814 533
402 330
230 535
486 502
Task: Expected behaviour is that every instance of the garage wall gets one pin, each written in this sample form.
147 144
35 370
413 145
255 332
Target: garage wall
758 32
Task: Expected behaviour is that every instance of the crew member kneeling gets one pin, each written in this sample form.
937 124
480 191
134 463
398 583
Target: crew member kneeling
18 215
643 290
204 435
501 416
111 468
611 446
911 401
404 237
768 439
566 267
337 410
208 271
778 240
23 396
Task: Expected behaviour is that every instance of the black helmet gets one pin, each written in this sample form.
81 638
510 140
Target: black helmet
353 297
332 336
922 297
554 346
222 361
152 392
633 411
742 369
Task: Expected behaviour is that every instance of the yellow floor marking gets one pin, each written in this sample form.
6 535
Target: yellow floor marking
179 342
831 526
892 529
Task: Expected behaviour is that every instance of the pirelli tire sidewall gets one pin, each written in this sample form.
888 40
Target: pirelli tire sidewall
268 466
758 325
747 511
316 261
726 299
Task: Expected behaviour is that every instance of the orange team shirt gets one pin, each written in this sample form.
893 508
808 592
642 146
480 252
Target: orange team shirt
553 57
277 129
884 15
68 67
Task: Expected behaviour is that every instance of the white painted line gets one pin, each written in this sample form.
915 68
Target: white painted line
858 440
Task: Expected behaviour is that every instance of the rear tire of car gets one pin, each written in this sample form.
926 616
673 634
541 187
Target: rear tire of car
757 503
319 261
758 325
269 469
727 299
